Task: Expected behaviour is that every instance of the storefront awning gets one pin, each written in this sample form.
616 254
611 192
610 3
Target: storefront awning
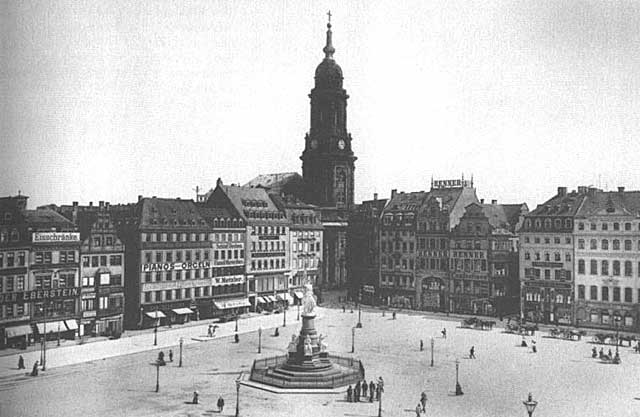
299 294
182 310
155 314
18 331
233 303
261 300
71 324
52 327
270 298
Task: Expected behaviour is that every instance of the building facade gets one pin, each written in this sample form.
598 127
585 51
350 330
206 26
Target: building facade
546 259
607 260
101 269
181 263
439 214
267 242
363 250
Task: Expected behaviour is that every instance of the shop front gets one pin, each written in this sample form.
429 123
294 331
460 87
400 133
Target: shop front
17 336
230 307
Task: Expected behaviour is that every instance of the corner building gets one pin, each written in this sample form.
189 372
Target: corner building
607 260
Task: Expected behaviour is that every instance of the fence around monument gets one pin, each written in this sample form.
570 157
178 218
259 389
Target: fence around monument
260 367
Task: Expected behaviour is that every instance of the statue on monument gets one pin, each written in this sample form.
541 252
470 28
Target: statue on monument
293 345
321 342
308 350
308 301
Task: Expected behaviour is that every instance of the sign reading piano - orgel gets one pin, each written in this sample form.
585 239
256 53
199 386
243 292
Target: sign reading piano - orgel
175 266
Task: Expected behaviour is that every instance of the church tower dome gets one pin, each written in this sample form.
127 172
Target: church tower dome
328 72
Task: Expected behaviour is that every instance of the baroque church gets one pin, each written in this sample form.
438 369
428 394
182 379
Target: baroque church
327 180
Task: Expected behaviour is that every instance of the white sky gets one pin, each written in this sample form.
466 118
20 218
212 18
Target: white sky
108 100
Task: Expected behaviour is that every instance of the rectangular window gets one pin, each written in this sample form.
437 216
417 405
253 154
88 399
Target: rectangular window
21 261
115 260
581 292
147 297
616 294
628 270
593 292
594 267
104 278
628 295
85 261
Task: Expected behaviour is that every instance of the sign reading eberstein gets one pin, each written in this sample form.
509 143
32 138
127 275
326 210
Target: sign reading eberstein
42 237
175 266
39 295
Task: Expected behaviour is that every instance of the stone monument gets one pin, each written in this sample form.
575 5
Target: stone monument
308 364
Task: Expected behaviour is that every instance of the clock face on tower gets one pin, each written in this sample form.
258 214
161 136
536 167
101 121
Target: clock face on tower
341 144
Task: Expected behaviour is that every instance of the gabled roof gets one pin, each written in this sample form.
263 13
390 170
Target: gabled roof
559 205
170 212
504 216
273 181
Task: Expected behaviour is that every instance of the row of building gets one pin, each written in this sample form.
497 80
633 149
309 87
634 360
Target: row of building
71 270
573 260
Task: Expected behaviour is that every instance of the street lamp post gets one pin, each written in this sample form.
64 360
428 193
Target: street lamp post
617 322
44 339
298 310
157 375
458 387
530 405
353 337
181 342
359 325
259 339
284 319
432 342
238 395
59 333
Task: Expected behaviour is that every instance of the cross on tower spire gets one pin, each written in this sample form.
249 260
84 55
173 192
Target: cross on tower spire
329 14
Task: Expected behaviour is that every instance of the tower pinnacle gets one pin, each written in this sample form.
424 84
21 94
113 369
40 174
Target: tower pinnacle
329 49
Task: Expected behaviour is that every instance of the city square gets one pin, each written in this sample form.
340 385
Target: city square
561 376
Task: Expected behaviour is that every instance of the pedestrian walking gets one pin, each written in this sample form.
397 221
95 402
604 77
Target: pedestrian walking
161 358
594 352
34 371
344 308
277 332
372 391
444 332
209 332
364 389
356 393
472 352
418 410
349 394
236 338
20 362
534 348
394 315
220 404
423 401
381 383
170 355
421 345
195 397
378 391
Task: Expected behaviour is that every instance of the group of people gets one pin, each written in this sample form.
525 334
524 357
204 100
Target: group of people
211 331
196 400
607 357
161 360
421 408
34 370
534 348
362 388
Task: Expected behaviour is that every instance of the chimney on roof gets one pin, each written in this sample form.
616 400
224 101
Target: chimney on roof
219 182
101 203
562 191
75 204
582 189
482 201
621 189
90 203
106 205
494 201
375 196
139 198
393 193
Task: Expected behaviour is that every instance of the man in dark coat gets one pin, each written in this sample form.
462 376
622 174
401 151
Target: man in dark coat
364 389
20 362
372 391
220 404
349 394
356 393
34 371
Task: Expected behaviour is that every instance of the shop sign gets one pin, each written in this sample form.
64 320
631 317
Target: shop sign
39 295
225 262
48 237
228 246
236 279
175 266
369 289
547 264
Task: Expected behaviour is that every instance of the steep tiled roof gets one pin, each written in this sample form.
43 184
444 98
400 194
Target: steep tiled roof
559 205
170 212
47 218
406 201
504 216
611 202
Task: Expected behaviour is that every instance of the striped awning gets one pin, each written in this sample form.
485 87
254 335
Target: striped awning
183 310
299 294
261 300
71 324
233 303
155 314
52 327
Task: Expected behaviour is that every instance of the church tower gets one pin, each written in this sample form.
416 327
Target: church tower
327 159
